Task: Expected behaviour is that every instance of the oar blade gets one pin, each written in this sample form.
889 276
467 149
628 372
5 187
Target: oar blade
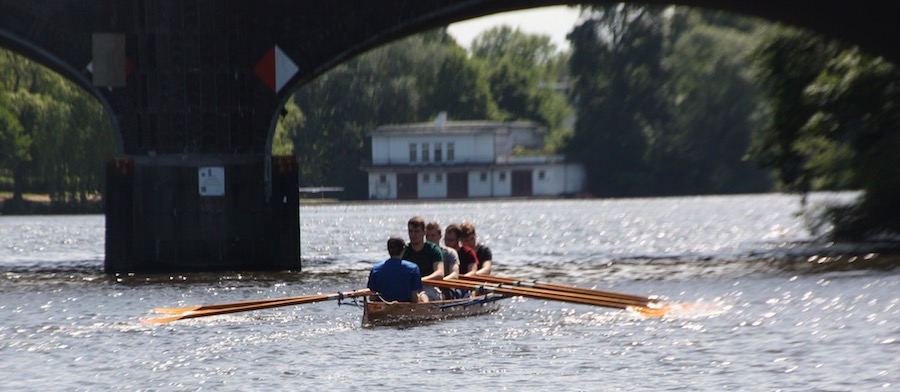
176 310
161 320
258 305
664 309
651 312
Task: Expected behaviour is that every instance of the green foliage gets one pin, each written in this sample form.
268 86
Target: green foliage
617 63
286 128
461 88
716 107
787 61
14 143
523 70
387 85
524 50
62 136
665 102
859 100
6 183
835 128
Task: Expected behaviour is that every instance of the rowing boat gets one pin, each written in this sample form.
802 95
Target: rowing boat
404 313
492 288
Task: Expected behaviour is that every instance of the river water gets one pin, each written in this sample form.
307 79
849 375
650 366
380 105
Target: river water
771 308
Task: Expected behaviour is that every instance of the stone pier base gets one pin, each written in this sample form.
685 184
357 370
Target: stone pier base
182 213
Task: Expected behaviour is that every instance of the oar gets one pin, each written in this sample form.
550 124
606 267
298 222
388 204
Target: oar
224 305
612 302
259 306
527 292
585 299
634 299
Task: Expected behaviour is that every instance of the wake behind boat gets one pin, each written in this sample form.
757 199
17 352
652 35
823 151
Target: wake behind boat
407 313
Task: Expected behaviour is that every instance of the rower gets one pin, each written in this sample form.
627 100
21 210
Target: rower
468 259
426 255
485 257
451 258
395 279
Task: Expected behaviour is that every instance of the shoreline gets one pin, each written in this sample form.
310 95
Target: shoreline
40 204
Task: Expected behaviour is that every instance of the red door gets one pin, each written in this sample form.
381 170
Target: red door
407 186
521 183
458 185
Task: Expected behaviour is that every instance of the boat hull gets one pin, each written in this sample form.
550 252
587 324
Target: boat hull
405 313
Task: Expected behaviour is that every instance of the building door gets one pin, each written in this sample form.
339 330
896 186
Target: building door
407 186
458 185
521 183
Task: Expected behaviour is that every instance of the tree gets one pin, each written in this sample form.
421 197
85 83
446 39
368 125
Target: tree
715 107
617 66
835 127
533 51
462 89
286 129
523 70
665 102
37 114
88 143
14 143
787 61
67 133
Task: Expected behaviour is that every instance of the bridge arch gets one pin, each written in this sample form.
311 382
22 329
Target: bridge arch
872 30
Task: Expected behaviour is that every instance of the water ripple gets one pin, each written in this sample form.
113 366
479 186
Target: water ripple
761 305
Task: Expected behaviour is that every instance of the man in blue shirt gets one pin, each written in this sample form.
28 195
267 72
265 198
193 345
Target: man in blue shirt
396 279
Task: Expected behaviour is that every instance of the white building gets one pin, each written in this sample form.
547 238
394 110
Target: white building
463 159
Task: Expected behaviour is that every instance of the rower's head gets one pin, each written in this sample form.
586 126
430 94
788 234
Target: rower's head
416 229
395 247
467 234
451 236
433 232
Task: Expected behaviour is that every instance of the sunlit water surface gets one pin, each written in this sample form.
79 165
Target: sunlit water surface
771 308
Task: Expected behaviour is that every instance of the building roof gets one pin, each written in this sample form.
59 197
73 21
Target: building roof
454 127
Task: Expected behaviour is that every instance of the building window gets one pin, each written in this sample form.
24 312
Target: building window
382 178
426 178
541 175
439 177
450 152
438 153
412 153
502 176
425 153
483 176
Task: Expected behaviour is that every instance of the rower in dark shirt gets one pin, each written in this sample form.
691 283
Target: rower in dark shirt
483 252
426 255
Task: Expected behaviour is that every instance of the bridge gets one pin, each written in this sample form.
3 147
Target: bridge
194 89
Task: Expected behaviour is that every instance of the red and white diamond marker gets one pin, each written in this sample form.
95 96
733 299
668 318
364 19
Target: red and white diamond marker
275 69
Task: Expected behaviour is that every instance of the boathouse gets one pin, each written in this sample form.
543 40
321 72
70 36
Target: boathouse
466 159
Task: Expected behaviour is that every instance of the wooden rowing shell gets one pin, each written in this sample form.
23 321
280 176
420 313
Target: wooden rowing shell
403 313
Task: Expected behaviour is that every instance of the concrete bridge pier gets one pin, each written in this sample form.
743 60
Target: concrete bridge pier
202 213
